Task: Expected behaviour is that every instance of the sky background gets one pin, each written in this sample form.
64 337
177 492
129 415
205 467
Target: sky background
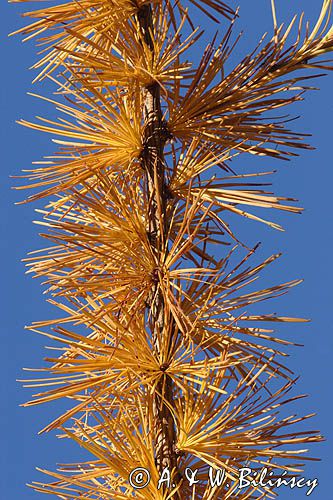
306 246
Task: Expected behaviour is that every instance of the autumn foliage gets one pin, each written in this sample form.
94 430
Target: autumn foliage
158 353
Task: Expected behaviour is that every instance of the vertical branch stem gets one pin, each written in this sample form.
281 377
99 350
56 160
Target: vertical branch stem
153 163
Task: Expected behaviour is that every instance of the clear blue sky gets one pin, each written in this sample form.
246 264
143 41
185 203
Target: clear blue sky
306 245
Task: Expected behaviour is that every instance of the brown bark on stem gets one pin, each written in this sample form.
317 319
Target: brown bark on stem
154 140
